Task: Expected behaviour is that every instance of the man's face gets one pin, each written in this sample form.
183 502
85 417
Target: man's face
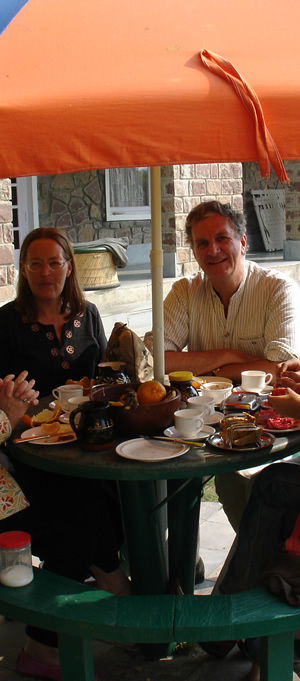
218 249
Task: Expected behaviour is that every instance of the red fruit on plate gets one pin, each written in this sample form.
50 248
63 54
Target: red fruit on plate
279 391
280 423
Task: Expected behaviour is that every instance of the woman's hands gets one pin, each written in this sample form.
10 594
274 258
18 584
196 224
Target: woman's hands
16 395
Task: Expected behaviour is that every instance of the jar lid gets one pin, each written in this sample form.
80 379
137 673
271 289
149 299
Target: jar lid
181 376
14 540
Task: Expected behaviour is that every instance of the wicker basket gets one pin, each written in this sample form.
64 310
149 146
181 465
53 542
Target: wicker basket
96 269
269 207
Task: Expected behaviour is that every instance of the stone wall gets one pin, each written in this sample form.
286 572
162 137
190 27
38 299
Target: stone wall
183 187
7 269
75 202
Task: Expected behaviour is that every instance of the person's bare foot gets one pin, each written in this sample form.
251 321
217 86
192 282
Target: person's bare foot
115 582
41 653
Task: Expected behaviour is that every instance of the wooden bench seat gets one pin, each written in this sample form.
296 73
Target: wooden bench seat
79 613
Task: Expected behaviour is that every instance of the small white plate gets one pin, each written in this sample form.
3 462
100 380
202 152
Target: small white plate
52 405
64 418
53 440
265 391
203 435
215 418
148 450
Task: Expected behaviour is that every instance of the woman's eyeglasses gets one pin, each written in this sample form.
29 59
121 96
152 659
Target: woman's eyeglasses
37 265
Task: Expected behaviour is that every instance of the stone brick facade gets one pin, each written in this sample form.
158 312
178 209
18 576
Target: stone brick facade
183 187
7 269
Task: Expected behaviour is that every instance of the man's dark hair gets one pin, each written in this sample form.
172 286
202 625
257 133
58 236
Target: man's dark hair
200 212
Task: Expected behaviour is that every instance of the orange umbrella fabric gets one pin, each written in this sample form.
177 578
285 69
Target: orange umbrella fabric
87 84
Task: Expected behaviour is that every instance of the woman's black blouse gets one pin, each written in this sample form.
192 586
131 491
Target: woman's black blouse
35 347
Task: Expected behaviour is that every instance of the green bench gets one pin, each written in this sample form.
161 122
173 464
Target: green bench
80 613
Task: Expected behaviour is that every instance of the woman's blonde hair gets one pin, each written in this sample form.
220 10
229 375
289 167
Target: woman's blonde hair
73 300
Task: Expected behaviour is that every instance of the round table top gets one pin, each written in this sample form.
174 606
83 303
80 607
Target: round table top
71 459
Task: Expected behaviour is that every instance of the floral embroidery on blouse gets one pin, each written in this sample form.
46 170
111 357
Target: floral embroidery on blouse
70 350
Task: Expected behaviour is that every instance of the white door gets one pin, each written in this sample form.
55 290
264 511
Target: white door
25 210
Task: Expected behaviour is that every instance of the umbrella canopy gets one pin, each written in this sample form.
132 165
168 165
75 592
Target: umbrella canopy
89 84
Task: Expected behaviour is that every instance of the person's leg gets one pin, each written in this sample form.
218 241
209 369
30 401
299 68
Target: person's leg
268 519
233 490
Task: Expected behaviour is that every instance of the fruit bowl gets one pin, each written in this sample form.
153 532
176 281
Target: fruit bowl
148 419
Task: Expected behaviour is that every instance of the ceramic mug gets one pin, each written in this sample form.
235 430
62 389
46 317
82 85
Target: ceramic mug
94 427
74 402
64 393
255 380
206 404
188 422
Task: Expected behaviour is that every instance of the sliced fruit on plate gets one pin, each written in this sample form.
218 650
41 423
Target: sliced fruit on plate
47 415
281 423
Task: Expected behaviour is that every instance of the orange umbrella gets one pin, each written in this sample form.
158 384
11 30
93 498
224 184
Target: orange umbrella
88 84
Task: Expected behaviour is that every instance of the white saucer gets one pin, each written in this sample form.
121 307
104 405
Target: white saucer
215 418
203 435
64 418
265 391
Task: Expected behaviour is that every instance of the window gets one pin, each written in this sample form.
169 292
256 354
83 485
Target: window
24 209
128 194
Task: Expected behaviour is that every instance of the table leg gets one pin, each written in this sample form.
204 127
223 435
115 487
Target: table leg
143 536
183 521
146 554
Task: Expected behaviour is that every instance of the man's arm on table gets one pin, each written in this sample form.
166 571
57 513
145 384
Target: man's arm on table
206 362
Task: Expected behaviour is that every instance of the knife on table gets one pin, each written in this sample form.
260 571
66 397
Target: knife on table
33 437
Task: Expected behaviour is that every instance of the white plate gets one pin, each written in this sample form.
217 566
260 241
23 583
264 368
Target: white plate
215 418
203 435
217 441
265 391
53 440
148 450
64 418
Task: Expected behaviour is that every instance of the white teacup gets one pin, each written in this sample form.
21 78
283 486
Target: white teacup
64 393
255 380
73 402
188 422
203 403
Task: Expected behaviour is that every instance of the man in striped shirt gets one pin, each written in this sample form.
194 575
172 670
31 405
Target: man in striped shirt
230 316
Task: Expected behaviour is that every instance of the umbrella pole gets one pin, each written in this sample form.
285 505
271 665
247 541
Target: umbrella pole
156 258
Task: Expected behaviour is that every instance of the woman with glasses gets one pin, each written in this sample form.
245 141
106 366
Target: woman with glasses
56 334
50 328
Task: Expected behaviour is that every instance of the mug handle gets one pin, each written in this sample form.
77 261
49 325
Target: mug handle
55 393
268 378
76 428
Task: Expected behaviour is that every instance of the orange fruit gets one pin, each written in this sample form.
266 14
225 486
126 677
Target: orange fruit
26 420
150 392
47 416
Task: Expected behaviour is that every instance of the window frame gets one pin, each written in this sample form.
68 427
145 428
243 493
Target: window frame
118 213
